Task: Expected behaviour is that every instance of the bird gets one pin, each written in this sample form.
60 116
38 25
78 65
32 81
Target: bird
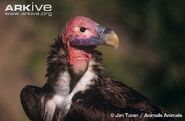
77 86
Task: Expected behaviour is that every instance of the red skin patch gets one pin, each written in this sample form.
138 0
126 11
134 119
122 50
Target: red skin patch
79 59
78 56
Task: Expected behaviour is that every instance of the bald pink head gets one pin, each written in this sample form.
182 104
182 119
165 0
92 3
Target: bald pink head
80 21
82 31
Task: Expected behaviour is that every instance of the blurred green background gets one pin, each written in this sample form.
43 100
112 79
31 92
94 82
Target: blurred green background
151 57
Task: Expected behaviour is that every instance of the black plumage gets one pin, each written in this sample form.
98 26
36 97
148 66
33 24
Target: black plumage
97 103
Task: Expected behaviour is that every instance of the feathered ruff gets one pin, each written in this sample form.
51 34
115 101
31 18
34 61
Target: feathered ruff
31 95
57 60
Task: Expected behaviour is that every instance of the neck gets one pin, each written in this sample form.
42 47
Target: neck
73 62
63 74
79 60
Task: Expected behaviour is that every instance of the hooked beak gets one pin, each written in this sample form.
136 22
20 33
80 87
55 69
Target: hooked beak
108 36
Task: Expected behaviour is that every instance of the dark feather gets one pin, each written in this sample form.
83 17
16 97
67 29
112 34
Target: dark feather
31 95
95 104
30 101
56 60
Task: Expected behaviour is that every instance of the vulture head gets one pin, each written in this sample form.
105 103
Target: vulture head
81 34
82 31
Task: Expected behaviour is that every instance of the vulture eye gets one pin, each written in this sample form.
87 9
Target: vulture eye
82 29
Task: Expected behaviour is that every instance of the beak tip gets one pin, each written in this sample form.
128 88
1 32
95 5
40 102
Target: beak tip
116 39
108 37
112 39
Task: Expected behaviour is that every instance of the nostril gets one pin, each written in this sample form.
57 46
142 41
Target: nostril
107 30
104 30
